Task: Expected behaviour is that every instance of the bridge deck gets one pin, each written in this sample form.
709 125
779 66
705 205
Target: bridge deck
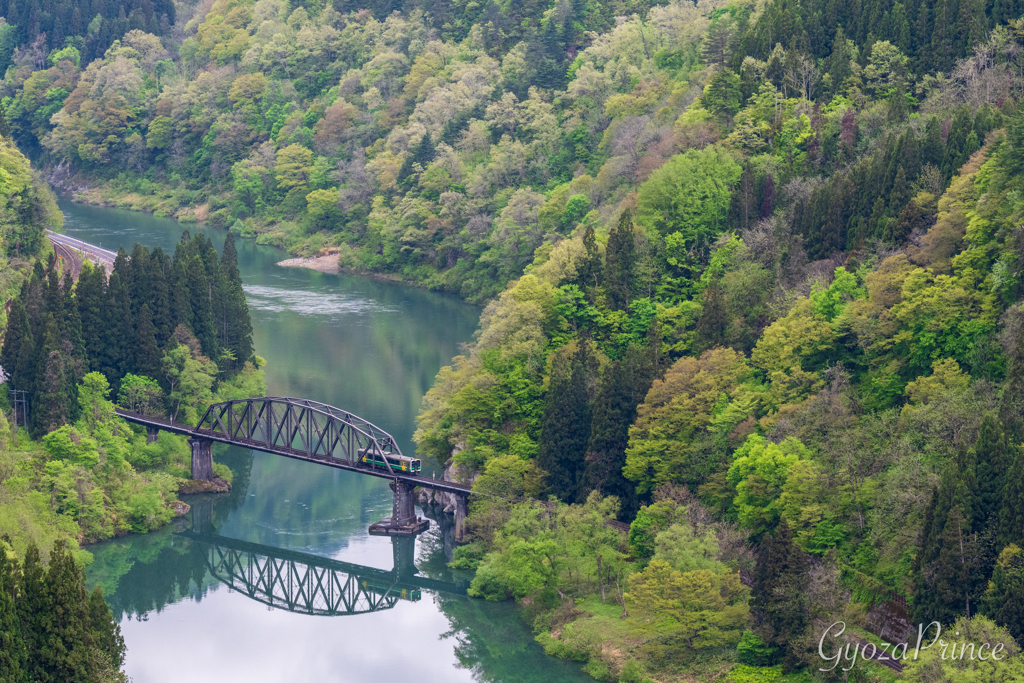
177 428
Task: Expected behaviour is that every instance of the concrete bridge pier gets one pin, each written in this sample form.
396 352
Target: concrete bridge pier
202 459
152 434
461 511
403 513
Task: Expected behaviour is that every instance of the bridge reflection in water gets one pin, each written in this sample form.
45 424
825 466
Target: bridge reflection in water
308 584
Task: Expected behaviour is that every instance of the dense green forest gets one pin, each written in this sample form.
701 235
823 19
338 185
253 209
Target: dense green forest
445 144
754 280
144 338
51 627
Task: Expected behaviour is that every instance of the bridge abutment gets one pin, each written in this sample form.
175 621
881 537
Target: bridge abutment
202 459
152 434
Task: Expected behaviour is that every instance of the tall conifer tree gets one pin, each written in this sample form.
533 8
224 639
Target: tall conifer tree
620 255
565 428
35 614
991 453
202 309
779 597
1004 599
121 329
54 383
622 388
68 652
1011 510
13 657
106 632
236 327
147 356
160 301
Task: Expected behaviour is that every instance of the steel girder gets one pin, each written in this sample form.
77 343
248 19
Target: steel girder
313 429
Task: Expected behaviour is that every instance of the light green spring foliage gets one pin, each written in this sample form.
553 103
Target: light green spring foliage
959 667
759 473
697 609
90 480
685 550
27 206
541 551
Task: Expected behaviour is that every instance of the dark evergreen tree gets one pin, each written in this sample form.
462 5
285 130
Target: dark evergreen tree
1014 151
992 455
106 632
35 614
957 578
1004 599
957 146
72 326
94 310
422 154
714 317
181 296
235 328
779 602
53 382
900 194
160 300
18 334
932 149
138 278
620 255
68 651
588 273
120 328
565 428
1011 510
622 388
838 63
13 657
203 325
147 355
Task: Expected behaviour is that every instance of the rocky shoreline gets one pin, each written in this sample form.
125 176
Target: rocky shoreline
215 485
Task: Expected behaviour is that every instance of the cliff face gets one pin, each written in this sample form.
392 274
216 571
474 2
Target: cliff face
452 472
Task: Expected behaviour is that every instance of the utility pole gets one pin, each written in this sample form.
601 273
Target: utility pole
20 398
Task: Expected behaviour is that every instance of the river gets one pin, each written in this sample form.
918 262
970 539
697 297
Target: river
197 610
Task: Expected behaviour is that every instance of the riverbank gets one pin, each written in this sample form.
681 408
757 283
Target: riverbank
306 249
327 263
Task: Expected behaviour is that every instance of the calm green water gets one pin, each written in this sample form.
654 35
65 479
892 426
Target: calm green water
369 347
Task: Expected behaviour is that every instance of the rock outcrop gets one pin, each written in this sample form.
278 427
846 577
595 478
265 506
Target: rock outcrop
452 472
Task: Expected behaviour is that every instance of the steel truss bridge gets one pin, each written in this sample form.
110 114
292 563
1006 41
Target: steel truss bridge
307 584
306 430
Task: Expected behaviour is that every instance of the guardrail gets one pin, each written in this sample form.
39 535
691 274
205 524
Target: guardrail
89 250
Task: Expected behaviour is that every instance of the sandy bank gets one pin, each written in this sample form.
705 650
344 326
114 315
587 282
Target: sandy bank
325 264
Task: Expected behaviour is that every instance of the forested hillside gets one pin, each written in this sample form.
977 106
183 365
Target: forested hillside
753 270
27 208
446 144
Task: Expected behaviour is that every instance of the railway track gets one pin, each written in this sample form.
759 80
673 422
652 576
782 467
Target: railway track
73 250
